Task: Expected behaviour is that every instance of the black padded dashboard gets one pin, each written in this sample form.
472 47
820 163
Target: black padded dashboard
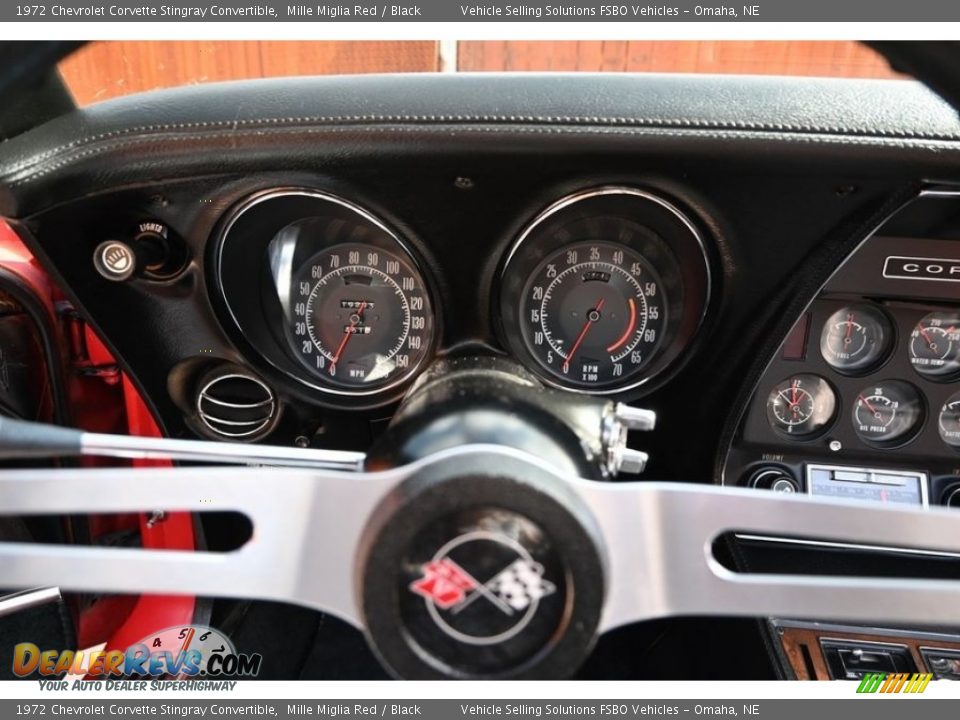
782 177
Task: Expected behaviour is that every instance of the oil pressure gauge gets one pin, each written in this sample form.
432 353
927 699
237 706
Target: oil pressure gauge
801 406
888 412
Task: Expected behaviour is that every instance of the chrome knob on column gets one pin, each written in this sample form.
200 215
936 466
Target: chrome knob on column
616 424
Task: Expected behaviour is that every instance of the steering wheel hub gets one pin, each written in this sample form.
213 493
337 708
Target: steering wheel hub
480 572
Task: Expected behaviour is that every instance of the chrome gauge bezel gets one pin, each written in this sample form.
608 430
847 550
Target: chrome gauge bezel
272 347
684 241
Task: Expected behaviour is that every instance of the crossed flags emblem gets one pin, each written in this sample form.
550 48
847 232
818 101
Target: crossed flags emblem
513 589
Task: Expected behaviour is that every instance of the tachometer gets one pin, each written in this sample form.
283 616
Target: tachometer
361 316
604 289
593 313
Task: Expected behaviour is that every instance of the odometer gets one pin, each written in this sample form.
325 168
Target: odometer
592 313
361 316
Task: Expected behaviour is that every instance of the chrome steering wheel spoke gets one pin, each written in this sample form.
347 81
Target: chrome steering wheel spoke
311 532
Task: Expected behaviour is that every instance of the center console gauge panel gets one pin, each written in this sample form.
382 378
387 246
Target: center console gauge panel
869 377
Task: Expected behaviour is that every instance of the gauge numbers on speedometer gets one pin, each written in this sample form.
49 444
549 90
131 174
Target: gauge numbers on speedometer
592 313
361 316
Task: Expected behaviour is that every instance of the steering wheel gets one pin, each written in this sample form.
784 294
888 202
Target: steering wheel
473 543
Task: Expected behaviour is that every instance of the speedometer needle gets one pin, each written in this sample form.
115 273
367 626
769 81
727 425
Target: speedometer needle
346 336
592 317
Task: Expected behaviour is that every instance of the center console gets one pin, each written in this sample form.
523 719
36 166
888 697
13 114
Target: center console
862 402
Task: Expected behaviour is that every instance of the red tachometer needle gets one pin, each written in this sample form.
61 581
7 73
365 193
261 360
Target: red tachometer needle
583 333
346 337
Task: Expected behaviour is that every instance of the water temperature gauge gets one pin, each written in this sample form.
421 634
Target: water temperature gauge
887 412
801 406
856 338
935 345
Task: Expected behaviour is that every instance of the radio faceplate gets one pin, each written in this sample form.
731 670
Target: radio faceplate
889 486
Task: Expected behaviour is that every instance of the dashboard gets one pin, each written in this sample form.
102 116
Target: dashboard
770 265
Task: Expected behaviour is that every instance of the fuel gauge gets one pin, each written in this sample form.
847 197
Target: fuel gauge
801 406
856 338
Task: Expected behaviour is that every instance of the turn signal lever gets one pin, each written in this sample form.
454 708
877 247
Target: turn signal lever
456 402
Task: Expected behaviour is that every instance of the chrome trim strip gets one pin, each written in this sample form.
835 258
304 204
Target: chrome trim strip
28 599
847 546
147 448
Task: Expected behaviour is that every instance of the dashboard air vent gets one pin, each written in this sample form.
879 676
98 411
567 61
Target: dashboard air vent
235 406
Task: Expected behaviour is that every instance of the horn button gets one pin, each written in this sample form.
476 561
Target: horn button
477 572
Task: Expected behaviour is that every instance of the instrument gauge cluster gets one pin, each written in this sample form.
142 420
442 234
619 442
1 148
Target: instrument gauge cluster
868 376
600 293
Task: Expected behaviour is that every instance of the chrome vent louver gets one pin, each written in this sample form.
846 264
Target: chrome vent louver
236 406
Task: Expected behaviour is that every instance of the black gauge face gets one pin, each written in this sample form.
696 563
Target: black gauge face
949 421
361 316
604 290
801 406
856 338
935 345
890 411
592 313
327 295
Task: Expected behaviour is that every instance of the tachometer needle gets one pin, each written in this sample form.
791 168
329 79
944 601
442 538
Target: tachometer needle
592 317
346 336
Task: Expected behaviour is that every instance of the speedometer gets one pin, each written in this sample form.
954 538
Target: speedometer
592 313
328 294
604 290
361 316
